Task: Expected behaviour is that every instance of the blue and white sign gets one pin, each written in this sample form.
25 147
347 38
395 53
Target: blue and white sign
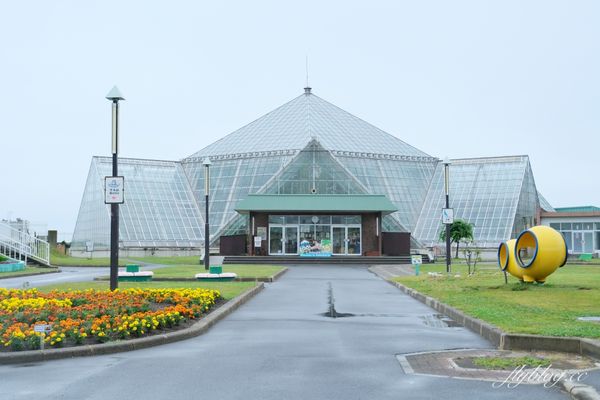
447 215
114 186
416 259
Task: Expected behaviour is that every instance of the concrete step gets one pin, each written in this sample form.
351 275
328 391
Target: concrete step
318 260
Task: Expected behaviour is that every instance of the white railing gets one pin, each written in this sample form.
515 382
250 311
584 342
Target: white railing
20 245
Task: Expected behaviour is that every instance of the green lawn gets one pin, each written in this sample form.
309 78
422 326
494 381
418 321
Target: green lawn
550 309
593 261
188 271
460 262
57 259
195 260
228 289
243 271
27 271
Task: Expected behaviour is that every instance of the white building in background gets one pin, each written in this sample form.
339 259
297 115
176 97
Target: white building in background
580 226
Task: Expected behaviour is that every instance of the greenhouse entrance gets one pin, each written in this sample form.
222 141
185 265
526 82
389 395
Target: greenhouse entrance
315 225
307 235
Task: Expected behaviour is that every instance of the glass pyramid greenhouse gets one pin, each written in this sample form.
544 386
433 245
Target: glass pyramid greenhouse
307 145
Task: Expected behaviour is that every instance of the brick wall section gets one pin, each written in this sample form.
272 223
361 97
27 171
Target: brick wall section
260 219
371 242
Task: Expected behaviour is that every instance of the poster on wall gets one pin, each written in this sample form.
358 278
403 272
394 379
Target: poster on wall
261 231
315 248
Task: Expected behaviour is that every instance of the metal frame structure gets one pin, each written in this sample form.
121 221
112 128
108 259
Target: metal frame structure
309 145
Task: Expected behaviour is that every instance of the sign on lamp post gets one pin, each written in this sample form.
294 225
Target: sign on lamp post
114 190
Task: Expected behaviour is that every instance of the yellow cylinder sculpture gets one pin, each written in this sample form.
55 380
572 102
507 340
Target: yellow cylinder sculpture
506 259
539 251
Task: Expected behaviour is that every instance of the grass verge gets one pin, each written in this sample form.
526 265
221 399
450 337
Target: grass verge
27 271
511 362
186 272
550 309
176 260
68 261
242 271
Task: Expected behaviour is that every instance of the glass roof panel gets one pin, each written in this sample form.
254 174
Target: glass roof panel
231 179
314 171
294 124
404 182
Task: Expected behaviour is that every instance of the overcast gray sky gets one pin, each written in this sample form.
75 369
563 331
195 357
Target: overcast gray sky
452 78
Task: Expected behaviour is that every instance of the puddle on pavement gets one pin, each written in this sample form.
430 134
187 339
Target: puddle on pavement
332 313
26 365
439 321
335 314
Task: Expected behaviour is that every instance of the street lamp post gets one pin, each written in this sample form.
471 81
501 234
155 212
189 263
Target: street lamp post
206 164
447 190
114 96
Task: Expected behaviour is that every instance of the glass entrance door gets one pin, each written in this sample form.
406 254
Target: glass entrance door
353 240
588 242
338 242
291 240
275 240
346 240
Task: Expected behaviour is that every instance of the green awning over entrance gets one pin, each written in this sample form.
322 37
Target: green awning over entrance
316 203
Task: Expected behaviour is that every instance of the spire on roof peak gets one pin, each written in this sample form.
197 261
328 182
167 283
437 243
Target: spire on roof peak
307 88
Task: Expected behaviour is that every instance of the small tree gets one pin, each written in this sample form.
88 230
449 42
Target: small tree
459 230
472 257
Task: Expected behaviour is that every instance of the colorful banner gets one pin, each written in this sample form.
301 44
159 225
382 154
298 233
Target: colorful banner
315 248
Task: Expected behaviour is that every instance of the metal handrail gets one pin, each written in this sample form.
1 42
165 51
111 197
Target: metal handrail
17 244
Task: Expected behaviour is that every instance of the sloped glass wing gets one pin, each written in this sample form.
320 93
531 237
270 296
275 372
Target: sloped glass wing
527 206
93 220
545 204
483 191
159 208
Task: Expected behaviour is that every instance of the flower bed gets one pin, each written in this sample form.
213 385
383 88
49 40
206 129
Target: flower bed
94 316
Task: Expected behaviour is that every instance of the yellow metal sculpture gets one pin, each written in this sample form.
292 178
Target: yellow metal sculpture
506 259
534 255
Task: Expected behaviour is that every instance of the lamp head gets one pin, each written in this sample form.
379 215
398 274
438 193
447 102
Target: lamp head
447 161
114 95
206 162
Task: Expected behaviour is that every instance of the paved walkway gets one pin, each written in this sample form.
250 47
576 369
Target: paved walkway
388 272
280 345
66 274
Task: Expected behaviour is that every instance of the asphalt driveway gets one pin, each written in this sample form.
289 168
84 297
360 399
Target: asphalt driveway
283 344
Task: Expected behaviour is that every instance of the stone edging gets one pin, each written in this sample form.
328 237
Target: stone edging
508 341
278 274
578 391
133 344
